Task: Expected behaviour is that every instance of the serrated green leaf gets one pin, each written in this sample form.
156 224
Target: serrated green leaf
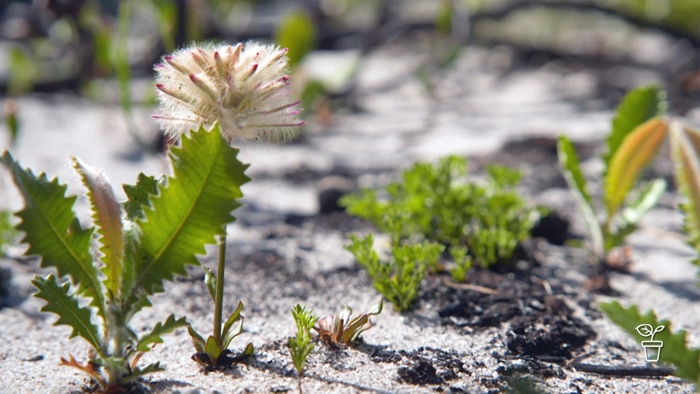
53 232
637 107
685 150
106 215
132 301
60 301
298 34
675 349
160 329
637 150
571 167
139 196
191 210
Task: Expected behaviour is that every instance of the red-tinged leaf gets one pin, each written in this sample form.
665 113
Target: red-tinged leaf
107 217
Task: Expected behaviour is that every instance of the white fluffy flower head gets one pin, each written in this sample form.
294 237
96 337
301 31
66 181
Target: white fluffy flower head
244 87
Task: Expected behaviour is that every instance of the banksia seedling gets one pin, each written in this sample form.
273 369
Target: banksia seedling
341 330
243 87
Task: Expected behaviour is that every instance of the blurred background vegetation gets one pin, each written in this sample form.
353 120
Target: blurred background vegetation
97 48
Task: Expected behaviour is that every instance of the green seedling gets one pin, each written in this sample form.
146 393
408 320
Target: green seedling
214 353
398 279
435 203
341 330
112 267
685 150
638 132
301 346
675 348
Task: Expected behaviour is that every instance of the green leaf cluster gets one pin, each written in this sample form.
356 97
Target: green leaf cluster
638 131
436 204
300 346
675 349
399 278
130 249
212 353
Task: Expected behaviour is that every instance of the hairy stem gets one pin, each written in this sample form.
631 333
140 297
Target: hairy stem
219 296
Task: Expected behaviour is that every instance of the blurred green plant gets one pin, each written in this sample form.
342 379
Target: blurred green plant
8 233
399 278
638 131
341 329
131 249
675 350
300 346
298 34
685 151
435 203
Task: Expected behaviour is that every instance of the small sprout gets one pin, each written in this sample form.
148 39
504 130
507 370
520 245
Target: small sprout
301 346
341 329
213 353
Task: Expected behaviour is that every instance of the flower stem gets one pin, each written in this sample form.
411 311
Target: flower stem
219 296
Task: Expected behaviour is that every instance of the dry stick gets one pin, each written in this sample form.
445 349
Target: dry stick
621 370
467 286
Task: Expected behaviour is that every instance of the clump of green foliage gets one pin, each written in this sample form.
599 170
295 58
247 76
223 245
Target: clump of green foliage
399 278
685 149
675 349
638 131
341 330
112 267
437 204
301 346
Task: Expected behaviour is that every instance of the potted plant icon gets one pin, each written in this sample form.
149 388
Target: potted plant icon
652 348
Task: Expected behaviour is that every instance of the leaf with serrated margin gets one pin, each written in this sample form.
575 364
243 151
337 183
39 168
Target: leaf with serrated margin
60 301
685 150
106 215
569 163
192 208
139 196
675 348
637 107
53 232
159 330
637 150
